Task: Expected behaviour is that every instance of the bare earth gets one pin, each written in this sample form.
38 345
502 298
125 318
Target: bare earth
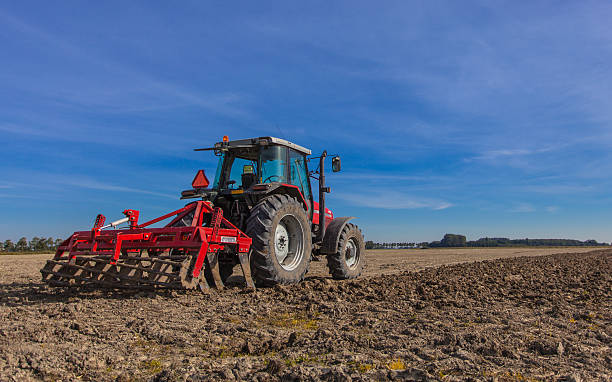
516 314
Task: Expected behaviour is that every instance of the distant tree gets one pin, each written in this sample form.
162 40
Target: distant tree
49 244
8 246
369 244
57 243
22 244
36 244
453 240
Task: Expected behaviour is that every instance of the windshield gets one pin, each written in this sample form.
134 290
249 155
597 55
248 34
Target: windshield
273 164
240 169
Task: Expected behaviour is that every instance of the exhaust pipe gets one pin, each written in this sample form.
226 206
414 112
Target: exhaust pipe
322 191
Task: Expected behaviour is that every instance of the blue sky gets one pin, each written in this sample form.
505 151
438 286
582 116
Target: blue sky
484 118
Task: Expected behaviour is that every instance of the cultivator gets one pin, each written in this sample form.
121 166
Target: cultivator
176 256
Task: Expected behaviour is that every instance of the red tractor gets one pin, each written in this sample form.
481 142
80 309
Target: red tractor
259 212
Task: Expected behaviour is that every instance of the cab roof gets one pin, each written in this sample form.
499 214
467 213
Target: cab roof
260 141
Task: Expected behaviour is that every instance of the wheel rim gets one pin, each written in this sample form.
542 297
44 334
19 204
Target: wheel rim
289 242
351 255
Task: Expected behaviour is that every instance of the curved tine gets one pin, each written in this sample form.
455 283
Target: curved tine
246 270
203 284
213 263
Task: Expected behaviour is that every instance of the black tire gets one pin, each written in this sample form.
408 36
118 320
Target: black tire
262 227
225 270
339 266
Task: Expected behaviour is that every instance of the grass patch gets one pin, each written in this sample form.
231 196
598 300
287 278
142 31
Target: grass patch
153 366
360 367
151 347
396 364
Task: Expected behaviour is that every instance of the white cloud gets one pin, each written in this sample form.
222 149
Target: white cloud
97 185
523 208
393 201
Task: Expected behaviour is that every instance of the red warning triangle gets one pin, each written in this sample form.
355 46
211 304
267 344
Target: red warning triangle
200 180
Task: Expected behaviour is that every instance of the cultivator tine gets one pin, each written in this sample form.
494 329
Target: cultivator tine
203 285
213 263
246 269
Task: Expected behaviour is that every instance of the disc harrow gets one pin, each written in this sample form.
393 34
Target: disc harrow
170 257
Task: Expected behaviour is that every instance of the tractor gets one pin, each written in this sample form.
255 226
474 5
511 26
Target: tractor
259 213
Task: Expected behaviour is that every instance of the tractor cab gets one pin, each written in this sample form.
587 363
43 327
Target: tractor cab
243 165
248 169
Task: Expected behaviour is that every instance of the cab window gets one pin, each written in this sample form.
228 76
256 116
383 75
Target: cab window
239 174
298 173
273 164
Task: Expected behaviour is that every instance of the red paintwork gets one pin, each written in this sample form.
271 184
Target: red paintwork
329 216
193 238
302 198
133 216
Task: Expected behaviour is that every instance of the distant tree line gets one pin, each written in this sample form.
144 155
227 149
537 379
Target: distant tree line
37 244
454 240
372 245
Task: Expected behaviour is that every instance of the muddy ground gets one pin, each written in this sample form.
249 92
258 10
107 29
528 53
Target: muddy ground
546 317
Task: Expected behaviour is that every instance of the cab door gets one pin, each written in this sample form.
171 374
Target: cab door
298 175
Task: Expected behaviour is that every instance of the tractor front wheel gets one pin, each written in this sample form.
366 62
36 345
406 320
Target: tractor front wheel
349 259
282 241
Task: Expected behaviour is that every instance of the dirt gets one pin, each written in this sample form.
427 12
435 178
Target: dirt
546 317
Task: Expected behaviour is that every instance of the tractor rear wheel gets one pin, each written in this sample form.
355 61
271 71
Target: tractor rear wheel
349 259
282 241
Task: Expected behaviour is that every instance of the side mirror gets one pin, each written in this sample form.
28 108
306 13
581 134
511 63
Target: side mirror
336 164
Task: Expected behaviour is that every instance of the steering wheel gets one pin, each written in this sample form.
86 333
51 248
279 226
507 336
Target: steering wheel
270 178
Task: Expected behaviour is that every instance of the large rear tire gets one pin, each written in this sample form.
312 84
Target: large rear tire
282 241
349 259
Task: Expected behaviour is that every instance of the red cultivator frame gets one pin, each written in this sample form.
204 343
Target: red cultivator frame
174 256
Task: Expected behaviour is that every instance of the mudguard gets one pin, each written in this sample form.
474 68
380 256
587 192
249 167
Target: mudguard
332 234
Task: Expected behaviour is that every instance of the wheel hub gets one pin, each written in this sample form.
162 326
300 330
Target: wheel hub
281 243
289 242
351 255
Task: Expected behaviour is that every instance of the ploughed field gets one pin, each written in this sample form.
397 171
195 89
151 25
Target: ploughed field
516 314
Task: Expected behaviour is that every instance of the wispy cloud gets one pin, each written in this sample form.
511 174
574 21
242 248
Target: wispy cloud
557 189
97 185
393 201
113 86
523 208
383 176
492 155
17 196
60 183
528 208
